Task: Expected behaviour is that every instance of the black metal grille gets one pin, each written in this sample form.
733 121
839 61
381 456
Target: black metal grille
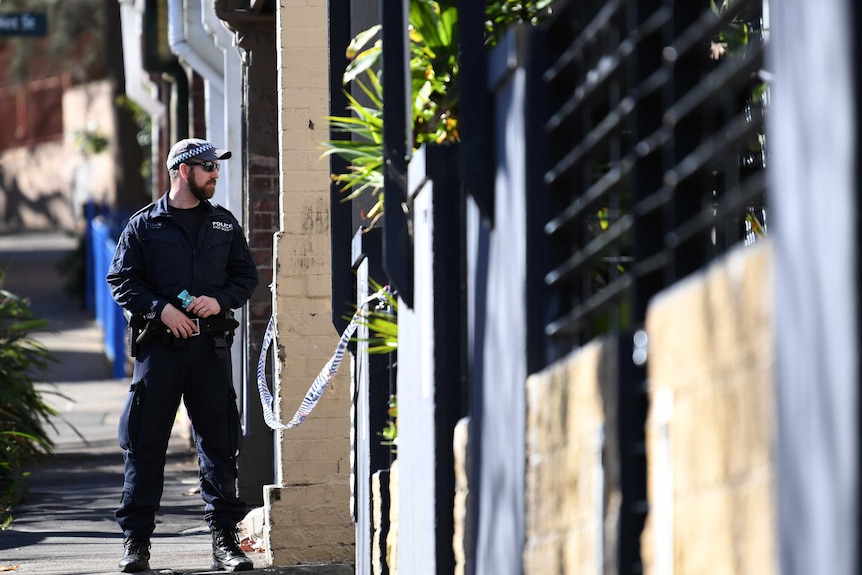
656 151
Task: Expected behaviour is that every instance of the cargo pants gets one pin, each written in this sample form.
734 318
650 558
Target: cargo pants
166 372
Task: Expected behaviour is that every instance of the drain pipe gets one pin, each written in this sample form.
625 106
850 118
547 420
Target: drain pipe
194 46
232 113
138 85
178 40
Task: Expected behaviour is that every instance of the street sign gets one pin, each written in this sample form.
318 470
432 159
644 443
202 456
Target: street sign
24 24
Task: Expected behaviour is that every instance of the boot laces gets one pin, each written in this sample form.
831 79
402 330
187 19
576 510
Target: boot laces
228 539
136 545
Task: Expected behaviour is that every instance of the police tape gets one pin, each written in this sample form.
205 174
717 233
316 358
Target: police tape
315 392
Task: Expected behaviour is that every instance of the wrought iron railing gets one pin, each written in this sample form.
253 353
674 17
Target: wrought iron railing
657 140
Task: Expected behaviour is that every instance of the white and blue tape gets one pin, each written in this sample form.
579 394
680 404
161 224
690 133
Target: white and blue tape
315 392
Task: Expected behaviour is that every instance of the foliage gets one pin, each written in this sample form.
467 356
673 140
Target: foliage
382 321
434 44
433 65
144 137
501 14
22 411
753 224
364 152
90 140
731 42
390 432
733 37
434 98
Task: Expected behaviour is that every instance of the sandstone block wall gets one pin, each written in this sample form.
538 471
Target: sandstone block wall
571 497
389 503
711 428
710 436
462 534
392 536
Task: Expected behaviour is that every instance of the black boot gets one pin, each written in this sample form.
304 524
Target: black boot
137 556
226 552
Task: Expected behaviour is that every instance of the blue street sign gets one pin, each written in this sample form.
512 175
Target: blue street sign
24 24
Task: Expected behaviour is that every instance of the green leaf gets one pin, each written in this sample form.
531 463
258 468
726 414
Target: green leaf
433 63
360 40
363 62
23 412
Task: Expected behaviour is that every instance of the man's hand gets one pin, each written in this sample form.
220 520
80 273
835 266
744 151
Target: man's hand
179 323
204 306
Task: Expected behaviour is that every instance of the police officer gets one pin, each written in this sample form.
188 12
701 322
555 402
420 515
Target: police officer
181 265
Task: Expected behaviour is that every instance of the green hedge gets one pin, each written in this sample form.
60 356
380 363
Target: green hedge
23 413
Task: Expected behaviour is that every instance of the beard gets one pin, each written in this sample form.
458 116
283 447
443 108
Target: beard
204 192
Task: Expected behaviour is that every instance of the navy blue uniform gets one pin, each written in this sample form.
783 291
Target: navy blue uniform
156 258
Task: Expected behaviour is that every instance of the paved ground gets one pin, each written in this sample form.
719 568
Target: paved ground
67 527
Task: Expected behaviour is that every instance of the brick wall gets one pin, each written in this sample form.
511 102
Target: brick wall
263 222
310 511
260 168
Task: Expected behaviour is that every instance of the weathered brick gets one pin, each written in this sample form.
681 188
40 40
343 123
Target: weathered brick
267 204
310 521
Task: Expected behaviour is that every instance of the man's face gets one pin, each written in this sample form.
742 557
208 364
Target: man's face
202 183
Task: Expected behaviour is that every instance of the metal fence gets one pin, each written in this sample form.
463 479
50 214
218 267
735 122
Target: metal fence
655 132
656 136
630 136
101 241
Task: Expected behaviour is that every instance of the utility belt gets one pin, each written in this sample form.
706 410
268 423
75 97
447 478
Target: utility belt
144 332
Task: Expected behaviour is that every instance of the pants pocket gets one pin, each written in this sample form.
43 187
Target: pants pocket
130 419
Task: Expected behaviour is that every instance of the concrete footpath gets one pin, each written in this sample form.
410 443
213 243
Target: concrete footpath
66 527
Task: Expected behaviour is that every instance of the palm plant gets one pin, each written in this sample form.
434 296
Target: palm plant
364 152
381 321
433 51
23 413
434 45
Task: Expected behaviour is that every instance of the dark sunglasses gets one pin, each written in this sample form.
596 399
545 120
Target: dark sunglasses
207 166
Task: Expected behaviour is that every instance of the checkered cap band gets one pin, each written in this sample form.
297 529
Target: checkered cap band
185 150
189 154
